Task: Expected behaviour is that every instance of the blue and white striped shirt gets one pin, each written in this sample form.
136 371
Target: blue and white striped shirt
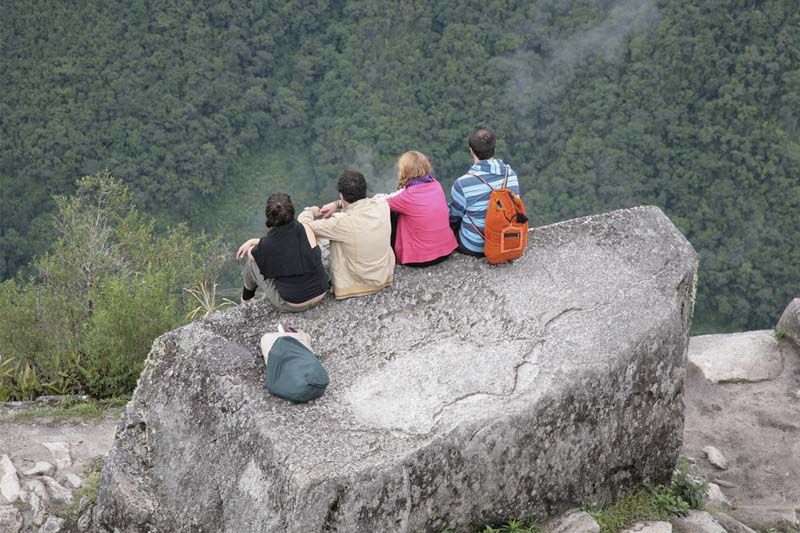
469 195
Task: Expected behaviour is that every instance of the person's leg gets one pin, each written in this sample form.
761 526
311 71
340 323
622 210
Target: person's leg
464 250
250 275
252 278
455 225
393 217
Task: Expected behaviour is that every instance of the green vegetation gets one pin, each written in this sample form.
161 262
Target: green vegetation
84 322
514 526
686 104
779 333
89 489
653 503
89 410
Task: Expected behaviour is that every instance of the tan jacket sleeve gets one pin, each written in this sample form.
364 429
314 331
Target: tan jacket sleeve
325 228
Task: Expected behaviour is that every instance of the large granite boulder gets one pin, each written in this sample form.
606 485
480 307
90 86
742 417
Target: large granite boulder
465 394
789 324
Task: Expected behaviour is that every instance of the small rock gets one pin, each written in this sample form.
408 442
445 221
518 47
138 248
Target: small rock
84 522
732 525
715 497
35 486
83 504
696 522
10 519
715 457
9 481
60 452
55 490
573 522
649 527
73 480
53 525
762 517
36 504
725 483
40 468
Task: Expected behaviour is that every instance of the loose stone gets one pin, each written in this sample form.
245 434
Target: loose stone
732 525
649 527
10 519
40 468
53 525
60 452
74 480
715 457
56 491
9 481
574 522
696 522
715 497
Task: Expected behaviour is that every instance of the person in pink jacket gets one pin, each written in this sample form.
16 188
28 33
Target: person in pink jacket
424 237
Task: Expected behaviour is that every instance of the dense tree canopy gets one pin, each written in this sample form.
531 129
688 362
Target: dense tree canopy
686 104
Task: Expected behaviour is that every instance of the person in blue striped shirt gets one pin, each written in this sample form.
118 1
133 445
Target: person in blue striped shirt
469 196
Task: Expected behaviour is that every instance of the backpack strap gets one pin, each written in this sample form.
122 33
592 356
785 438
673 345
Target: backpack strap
467 213
505 180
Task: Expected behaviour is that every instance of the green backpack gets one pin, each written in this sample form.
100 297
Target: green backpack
293 371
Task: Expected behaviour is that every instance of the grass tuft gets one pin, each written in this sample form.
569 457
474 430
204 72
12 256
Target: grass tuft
90 410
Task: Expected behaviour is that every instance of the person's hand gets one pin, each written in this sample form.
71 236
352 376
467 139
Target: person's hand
245 249
328 209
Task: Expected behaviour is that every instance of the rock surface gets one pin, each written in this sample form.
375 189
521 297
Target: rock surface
757 427
10 519
649 527
39 468
715 498
732 525
412 420
9 481
462 395
696 522
60 452
735 357
763 517
573 522
789 324
716 457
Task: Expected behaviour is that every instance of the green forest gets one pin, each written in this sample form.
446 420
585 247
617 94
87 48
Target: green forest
200 109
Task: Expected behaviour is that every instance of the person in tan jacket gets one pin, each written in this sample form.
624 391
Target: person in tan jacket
361 260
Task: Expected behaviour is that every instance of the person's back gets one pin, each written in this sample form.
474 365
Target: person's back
469 196
360 253
423 233
361 257
286 263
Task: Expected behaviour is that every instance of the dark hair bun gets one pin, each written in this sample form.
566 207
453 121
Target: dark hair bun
280 210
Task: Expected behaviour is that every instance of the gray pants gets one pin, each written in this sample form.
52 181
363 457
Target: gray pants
252 278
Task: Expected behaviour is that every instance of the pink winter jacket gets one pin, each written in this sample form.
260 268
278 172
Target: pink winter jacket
423 225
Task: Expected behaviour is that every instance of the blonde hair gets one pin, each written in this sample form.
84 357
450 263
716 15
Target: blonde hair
411 165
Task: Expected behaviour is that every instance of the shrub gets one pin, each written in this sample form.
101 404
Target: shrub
85 321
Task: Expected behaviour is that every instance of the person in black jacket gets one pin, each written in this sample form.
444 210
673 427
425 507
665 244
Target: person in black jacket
286 263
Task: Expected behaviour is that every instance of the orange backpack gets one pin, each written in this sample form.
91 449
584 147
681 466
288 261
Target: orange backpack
506 230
